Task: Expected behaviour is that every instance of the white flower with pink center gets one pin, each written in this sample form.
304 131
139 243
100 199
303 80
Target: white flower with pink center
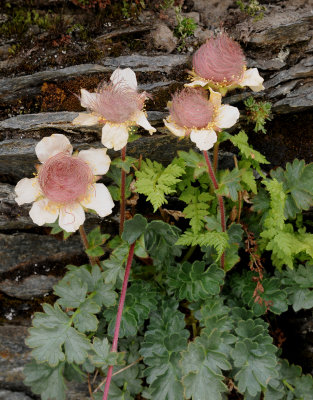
191 113
66 184
220 64
118 106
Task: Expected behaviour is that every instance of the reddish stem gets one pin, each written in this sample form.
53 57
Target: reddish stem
119 317
219 198
122 201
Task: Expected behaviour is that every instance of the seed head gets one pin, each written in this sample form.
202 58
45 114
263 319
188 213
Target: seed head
220 60
191 109
116 103
64 179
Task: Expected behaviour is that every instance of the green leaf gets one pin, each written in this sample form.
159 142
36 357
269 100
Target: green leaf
155 181
247 176
114 267
56 229
194 160
229 183
51 330
160 240
76 346
298 283
297 182
219 240
95 240
72 292
201 364
46 381
124 164
193 282
241 141
102 357
85 320
102 293
134 228
256 365
141 299
198 206
164 339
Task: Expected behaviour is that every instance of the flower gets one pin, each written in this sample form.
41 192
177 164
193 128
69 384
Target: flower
65 184
191 113
118 106
220 64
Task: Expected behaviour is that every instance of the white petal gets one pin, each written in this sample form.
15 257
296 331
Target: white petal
27 190
252 78
71 217
88 99
176 130
86 119
114 136
44 212
204 138
52 145
125 77
215 98
99 199
97 159
197 82
141 119
227 116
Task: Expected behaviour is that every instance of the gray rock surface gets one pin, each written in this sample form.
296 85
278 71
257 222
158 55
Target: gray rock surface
24 250
163 38
33 286
8 395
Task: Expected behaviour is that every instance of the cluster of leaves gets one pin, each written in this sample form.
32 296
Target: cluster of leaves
258 112
252 8
189 329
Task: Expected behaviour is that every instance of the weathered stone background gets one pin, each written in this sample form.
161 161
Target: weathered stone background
31 261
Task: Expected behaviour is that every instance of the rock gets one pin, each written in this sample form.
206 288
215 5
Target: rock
120 32
11 88
33 286
11 216
212 12
163 38
22 251
298 100
138 62
13 356
7 395
4 51
303 69
268 65
278 29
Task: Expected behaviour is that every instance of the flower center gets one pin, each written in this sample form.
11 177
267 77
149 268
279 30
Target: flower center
64 179
220 60
117 103
191 109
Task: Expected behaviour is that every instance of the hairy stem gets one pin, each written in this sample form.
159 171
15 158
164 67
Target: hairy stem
122 201
219 198
83 236
215 156
119 317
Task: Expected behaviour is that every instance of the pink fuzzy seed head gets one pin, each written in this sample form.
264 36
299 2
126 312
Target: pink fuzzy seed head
220 60
117 103
191 109
64 179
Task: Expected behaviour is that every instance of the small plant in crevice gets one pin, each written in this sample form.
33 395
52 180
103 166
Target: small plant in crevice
170 310
253 8
258 112
185 27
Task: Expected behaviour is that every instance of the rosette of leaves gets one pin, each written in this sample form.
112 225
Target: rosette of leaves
194 281
164 340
